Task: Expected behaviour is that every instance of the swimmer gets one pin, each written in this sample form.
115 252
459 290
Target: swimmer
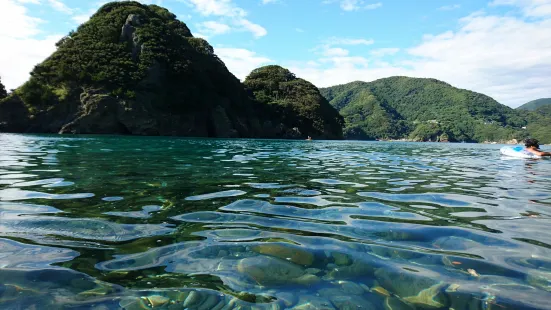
533 146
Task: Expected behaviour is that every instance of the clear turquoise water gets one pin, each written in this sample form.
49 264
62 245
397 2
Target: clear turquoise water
166 223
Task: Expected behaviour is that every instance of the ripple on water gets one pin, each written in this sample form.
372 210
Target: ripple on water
223 194
268 185
445 200
337 182
19 255
325 214
11 194
450 227
89 229
144 213
13 208
112 199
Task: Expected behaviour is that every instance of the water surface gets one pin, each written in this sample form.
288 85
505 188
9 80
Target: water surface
102 222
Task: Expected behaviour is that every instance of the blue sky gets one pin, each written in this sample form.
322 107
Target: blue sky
498 47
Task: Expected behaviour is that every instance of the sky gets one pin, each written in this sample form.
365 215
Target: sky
501 48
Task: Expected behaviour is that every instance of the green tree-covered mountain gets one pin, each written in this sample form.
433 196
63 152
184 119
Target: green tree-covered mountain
136 69
295 101
535 104
3 92
429 110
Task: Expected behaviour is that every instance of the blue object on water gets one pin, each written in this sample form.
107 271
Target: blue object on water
517 151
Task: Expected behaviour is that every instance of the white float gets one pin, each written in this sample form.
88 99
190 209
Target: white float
518 152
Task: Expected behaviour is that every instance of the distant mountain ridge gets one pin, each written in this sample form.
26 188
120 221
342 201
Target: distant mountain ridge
421 109
535 104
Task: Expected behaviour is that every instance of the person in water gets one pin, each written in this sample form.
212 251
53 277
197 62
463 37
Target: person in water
533 146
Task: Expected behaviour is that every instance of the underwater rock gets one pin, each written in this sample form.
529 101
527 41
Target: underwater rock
270 271
288 299
351 303
454 243
426 298
358 268
381 291
392 303
424 290
340 258
285 251
310 302
307 279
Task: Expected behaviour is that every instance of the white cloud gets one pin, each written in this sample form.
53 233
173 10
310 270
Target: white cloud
81 18
269 1
532 8
214 28
60 6
299 30
335 51
21 49
449 7
241 61
227 10
217 8
257 30
504 57
348 41
15 23
381 52
373 6
350 5
355 5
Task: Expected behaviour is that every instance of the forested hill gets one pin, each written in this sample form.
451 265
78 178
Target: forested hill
295 101
137 69
429 110
535 104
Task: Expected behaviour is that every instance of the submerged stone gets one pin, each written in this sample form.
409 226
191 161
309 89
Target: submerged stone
285 251
340 258
310 302
270 271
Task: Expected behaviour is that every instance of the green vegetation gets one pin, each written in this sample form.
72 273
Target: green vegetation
3 92
124 63
429 110
535 104
295 102
136 69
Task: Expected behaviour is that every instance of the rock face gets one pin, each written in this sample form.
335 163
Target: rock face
3 93
14 116
136 69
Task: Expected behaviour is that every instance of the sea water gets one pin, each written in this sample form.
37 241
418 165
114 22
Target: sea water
105 222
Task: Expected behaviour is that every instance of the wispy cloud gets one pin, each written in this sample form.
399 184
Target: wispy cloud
229 14
531 8
60 6
241 61
355 5
348 41
449 7
381 52
373 6
213 28
23 42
